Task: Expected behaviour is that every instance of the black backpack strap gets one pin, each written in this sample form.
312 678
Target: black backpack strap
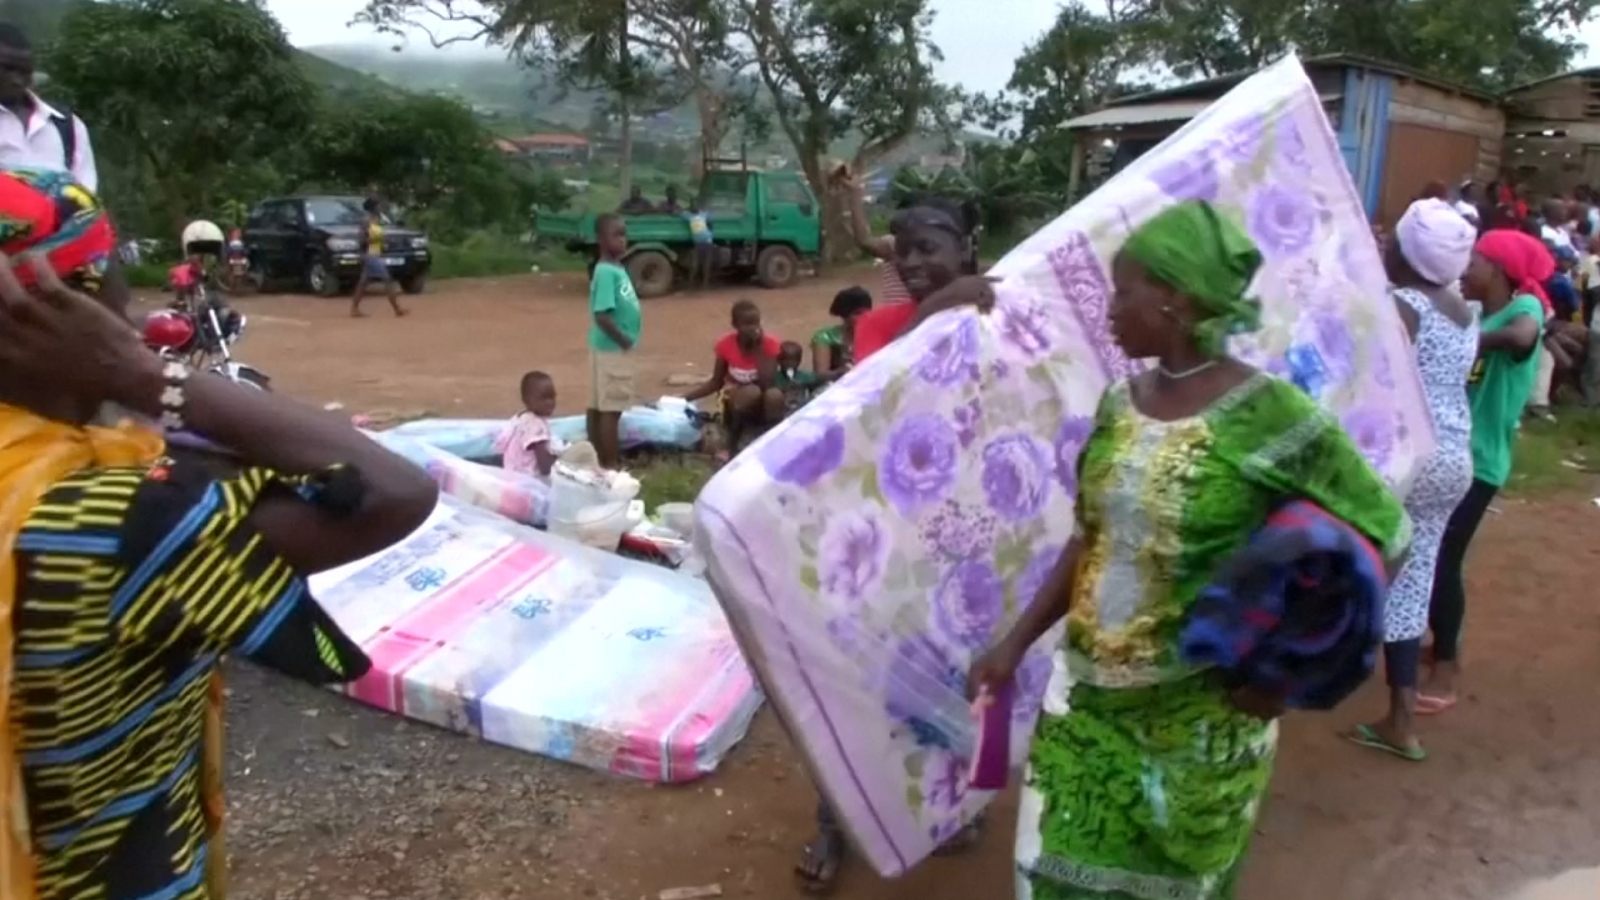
66 127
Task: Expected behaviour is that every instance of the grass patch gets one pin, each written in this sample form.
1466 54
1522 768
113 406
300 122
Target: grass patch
486 254
671 479
1552 456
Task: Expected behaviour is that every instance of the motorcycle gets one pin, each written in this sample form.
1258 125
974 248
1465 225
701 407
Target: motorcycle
237 275
199 328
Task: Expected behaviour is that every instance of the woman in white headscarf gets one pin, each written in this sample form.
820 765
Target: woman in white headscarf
1431 249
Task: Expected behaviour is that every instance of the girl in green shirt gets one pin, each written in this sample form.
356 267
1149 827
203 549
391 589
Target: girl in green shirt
832 347
1506 274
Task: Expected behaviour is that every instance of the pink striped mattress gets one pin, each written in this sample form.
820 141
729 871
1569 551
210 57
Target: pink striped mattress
868 548
483 626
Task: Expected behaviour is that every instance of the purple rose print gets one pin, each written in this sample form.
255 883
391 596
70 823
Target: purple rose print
852 555
1034 575
953 358
1291 146
966 418
1032 678
1016 476
1190 177
1000 369
1070 438
944 781
918 462
967 604
1083 283
1282 221
920 678
847 634
1333 339
1025 326
956 531
1373 430
1382 371
1242 140
803 451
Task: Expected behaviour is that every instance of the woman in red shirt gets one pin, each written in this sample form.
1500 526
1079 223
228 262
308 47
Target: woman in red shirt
744 370
934 256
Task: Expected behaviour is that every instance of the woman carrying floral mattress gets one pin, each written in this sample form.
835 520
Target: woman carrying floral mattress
1145 778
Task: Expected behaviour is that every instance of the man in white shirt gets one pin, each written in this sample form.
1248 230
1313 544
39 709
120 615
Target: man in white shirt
33 134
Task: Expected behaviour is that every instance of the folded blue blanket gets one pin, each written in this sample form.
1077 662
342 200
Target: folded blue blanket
1297 612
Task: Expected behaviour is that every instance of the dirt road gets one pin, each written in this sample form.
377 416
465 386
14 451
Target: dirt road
331 800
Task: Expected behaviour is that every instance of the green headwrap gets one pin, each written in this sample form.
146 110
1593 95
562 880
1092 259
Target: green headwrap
1207 257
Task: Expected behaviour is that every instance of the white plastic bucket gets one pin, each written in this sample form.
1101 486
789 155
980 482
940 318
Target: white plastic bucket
677 516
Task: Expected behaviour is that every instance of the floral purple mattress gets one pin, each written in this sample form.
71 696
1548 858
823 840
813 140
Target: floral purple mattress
869 547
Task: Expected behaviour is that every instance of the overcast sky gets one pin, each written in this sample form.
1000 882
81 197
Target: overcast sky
980 38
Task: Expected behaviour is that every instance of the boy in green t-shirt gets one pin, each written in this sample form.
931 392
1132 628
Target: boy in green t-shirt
613 332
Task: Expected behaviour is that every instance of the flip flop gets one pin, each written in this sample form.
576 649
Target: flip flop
1429 705
1367 736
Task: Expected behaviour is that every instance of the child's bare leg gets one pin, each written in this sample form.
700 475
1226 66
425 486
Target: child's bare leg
609 446
744 406
355 298
394 297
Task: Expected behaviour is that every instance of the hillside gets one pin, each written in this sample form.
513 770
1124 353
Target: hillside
498 87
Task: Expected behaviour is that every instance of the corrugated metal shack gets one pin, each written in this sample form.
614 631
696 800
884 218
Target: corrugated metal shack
1553 132
1398 129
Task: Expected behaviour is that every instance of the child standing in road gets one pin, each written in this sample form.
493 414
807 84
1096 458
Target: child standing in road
526 443
372 265
613 332
705 250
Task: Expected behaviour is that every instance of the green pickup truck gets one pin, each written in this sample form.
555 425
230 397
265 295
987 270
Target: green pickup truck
764 224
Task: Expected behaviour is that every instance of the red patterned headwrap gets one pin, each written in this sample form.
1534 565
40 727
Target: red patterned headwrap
49 213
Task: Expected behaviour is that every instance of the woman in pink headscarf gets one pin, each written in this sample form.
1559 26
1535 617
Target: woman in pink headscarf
1431 250
1506 275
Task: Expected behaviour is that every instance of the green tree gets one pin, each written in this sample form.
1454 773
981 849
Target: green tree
187 97
428 154
1488 44
847 69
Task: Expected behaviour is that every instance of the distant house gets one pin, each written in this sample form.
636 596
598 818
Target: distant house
1397 128
548 147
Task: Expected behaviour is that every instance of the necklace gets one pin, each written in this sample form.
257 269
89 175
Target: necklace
1179 376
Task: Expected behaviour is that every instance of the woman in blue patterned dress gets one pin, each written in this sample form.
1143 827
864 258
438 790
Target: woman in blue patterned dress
1431 250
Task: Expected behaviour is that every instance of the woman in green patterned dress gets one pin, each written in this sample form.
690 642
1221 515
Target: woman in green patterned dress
1145 777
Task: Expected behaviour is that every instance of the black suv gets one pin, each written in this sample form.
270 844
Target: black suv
318 240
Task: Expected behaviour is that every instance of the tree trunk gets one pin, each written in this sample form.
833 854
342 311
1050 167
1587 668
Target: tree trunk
837 243
713 127
625 106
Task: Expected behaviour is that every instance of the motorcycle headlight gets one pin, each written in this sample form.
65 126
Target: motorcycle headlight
343 245
420 242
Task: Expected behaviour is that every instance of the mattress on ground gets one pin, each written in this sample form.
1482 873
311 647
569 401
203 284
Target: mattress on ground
870 546
514 495
640 427
486 627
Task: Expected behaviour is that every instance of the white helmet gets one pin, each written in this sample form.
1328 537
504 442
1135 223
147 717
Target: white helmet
202 232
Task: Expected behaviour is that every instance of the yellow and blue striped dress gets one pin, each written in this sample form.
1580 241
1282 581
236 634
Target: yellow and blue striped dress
132 584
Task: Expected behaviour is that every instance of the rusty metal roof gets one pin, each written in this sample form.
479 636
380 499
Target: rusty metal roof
1144 113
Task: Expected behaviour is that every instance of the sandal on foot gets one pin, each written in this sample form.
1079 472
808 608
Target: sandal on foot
1431 705
1367 736
820 860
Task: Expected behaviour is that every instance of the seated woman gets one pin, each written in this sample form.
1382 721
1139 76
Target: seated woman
833 347
129 572
744 371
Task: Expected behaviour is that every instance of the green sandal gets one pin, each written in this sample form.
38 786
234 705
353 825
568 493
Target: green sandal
1367 736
